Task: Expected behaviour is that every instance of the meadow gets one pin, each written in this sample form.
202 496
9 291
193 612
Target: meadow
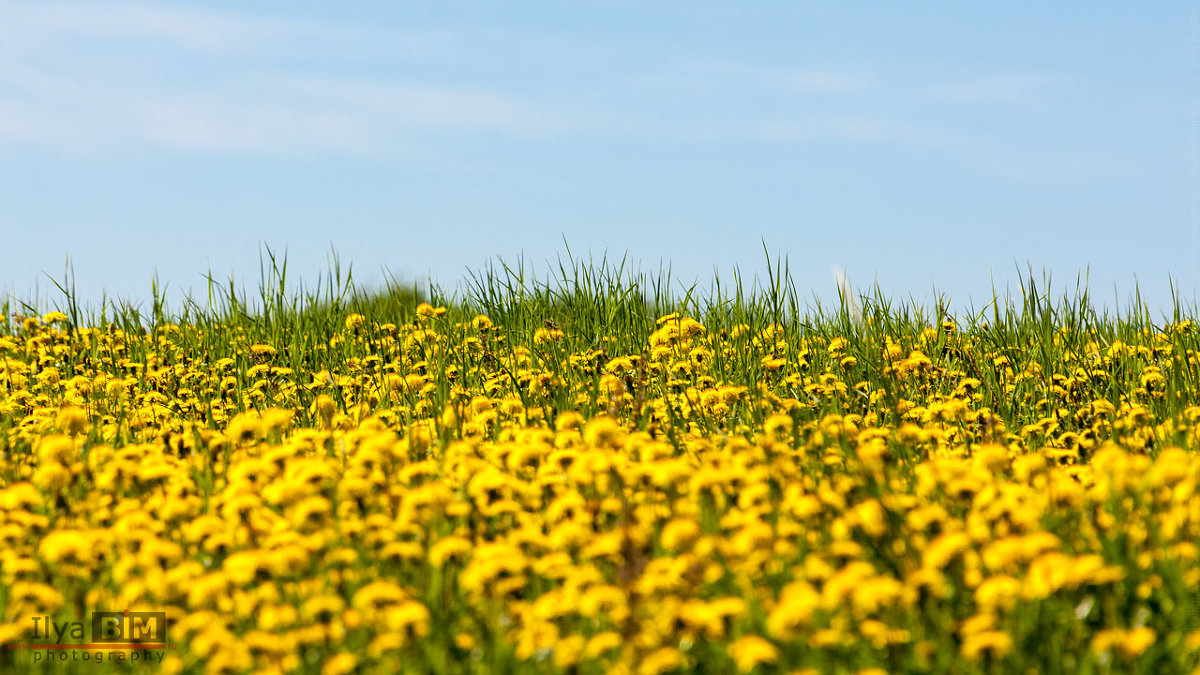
602 473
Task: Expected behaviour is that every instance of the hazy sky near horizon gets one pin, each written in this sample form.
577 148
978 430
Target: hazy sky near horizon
917 145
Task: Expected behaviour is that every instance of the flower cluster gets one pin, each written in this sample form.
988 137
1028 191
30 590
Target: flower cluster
448 495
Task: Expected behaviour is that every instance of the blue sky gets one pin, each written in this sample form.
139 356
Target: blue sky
929 145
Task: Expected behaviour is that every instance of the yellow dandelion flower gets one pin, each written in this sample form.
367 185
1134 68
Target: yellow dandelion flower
410 617
72 420
795 609
943 549
340 664
428 311
322 608
324 408
19 496
998 592
568 651
986 642
448 547
602 431
57 450
377 595
544 335
749 651
601 643
1128 643
262 350
662 660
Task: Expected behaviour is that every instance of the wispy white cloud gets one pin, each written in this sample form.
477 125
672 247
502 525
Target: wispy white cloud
805 80
186 27
799 104
1050 170
726 75
438 106
134 75
208 124
855 128
70 77
261 114
23 122
1021 89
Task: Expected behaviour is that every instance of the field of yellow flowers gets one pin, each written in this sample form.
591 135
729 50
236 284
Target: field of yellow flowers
577 479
